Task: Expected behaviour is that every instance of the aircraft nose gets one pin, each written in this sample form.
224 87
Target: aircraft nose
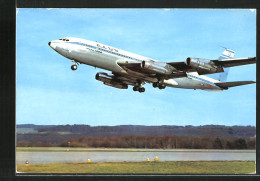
52 44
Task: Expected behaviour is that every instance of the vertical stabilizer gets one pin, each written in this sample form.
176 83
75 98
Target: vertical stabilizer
227 54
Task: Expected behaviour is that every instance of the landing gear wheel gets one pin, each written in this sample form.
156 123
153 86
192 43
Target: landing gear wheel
155 84
74 67
141 89
135 88
161 86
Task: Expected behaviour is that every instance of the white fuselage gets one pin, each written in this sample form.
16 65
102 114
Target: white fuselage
107 57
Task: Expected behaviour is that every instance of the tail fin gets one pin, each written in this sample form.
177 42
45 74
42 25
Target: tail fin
227 54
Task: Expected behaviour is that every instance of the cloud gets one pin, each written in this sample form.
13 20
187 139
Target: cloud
252 10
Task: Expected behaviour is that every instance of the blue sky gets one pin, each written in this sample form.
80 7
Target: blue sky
49 92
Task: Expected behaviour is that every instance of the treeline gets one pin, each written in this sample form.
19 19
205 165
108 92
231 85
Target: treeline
158 142
138 130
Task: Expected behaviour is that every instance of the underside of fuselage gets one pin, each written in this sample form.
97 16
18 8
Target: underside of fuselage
188 83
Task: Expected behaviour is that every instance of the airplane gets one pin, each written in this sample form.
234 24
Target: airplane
135 70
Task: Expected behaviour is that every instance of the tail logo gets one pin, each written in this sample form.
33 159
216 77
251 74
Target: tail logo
227 54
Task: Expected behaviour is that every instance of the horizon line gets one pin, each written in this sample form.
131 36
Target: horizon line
131 125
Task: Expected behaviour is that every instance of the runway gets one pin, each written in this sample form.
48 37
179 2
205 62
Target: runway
61 155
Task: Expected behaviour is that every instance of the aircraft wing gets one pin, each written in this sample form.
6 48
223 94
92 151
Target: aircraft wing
235 62
168 70
204 66
182 66
137 73
152 70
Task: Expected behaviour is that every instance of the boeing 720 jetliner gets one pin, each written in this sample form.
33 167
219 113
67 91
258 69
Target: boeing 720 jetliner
135 70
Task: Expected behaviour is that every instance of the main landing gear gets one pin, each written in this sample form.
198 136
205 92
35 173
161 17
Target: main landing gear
159 85
138 88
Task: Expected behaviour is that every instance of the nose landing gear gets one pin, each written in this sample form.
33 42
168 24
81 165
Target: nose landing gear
75 65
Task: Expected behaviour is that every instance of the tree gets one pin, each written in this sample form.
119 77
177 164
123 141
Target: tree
240 143
217 144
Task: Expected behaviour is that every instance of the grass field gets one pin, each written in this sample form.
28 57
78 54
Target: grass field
178 167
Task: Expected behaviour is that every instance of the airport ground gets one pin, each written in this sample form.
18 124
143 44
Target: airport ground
79 149
134 161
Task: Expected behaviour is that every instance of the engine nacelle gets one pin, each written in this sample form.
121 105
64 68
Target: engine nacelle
202 64
108 80
157 67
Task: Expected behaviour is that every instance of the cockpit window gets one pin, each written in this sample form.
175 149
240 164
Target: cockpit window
64 39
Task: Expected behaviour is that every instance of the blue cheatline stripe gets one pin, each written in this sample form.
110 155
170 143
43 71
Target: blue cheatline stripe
82 44
225 56
108 51
77 43
230 50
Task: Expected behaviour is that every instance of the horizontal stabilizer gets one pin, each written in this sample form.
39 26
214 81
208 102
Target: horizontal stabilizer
226 85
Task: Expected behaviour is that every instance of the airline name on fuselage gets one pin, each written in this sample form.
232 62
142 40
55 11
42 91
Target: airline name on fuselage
107 48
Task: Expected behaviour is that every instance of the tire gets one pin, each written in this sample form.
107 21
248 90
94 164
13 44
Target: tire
135 88
162 87
142 89
74 67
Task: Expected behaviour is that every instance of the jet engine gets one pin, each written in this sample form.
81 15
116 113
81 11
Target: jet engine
203 64
108 80
157 67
